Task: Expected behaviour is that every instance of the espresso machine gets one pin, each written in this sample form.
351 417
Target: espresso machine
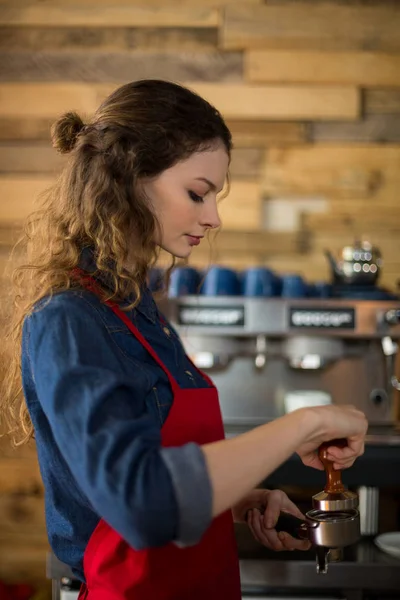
259 350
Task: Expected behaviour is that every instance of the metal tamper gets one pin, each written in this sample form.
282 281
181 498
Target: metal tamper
333 522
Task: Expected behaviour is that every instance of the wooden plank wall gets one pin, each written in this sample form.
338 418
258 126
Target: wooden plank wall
311 91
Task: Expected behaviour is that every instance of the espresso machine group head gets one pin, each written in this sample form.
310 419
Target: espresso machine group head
334 520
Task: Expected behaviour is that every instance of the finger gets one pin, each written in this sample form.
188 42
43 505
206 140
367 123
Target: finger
278 501
250 523
358 446
312 460
290 507
273 509
344 460
252 526
281 502
291 543
335 453
352 451
268 537
271 536
280 541
338 466
343 464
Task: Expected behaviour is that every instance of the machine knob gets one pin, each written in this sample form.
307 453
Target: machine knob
392 316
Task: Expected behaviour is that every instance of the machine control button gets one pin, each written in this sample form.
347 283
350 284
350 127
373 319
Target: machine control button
378 397
392 317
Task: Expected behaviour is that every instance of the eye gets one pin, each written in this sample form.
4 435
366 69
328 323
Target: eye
195 197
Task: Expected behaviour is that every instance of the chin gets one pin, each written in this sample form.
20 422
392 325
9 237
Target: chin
181 252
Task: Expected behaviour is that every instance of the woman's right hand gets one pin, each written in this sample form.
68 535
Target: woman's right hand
329 423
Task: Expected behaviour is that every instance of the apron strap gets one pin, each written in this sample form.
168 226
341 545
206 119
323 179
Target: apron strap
91 285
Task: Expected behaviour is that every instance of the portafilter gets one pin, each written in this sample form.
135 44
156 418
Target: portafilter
333 522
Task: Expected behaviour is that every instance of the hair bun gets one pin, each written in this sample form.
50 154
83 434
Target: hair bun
65 130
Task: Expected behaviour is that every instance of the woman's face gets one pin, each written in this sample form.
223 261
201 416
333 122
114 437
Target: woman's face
184 199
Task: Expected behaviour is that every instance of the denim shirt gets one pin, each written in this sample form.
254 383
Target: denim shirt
97 401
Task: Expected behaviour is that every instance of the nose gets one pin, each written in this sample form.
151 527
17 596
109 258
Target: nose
210 216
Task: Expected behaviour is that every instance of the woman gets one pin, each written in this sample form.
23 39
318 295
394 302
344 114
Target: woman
141 489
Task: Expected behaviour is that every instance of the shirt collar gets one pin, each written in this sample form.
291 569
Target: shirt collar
147 307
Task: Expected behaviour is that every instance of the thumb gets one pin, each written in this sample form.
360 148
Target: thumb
274 507
311 459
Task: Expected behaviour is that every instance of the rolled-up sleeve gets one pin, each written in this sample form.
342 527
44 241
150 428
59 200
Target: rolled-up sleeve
97 414
193 492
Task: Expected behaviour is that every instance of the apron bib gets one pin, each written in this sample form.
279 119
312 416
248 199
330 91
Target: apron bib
207 571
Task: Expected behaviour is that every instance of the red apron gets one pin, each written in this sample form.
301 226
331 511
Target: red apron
207 571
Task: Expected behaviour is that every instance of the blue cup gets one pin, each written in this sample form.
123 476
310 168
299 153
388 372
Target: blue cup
321 289
260 281
293 286
184 282
221 281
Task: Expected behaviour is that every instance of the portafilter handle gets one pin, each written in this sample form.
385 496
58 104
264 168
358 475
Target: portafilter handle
334 483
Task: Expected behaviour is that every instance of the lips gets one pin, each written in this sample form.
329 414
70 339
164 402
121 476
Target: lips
194 240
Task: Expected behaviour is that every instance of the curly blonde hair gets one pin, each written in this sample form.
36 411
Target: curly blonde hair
140 130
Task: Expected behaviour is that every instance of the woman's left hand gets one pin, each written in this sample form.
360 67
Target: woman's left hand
262 526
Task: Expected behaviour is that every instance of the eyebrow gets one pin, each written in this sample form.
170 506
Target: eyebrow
210 183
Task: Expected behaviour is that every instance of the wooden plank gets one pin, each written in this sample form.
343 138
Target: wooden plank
26 452
40 39
30 158
246 163
357 224
242 208
114 15
10 258
376 129
156 4
20 477
265 133
29 129
339 171
245 133
311 266
335 2
235 101
281 102
338 68
8 237
382 101
390 281
106 66
22 512
244 243
307 26
48 100
367 206
25 562
18 196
